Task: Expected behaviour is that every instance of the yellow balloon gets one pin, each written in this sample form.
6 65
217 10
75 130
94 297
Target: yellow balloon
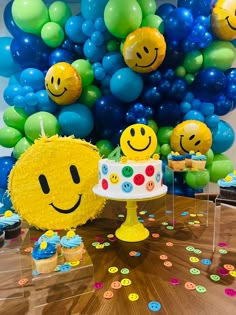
223 19
191 135
144 49
51 183
138 142
63 83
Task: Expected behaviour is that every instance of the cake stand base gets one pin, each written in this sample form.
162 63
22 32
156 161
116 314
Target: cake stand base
131 230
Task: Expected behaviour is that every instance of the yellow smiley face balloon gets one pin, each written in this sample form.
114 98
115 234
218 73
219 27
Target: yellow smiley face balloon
191 135
51 183
138 142
63 83
144 49
223 19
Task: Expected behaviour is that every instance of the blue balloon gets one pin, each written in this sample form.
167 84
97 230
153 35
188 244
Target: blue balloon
88 27
207 108
60 55
6 164
178 24
76 120
223 137
45 104
164 9
197 7
151 96
92 9
73 29
223 105
10 24
168 113
212 121
126 85
194 115
10 92
33 78
112 62
7 64
178 89
92 52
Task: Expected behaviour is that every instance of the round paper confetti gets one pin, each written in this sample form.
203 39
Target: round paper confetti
108 294
200 289
98 285
154 306
174 281
133 297
113 269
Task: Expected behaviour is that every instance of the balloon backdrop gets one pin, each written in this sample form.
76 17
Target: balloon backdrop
163 66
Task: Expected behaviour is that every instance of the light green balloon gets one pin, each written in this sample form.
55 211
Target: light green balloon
193 61
197 179
89 95
180 72
39 123
148 7
163 135
21 147
220 167
52 34
15 117
9 137
152 123
210 157
122 17
30 15
59 12
105 147
85 70
219 54
154 21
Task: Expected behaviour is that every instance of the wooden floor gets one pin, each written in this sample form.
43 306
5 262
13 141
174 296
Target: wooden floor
158 272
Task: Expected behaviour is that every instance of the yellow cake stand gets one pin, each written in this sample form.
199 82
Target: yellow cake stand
131 230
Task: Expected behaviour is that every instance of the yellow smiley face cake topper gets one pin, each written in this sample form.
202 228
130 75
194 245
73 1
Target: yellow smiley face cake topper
63 83
223 19
138 142
51 183
144 49
191 135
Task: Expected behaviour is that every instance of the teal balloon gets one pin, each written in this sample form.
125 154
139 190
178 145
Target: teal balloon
9 137
197 179
220 167
122 17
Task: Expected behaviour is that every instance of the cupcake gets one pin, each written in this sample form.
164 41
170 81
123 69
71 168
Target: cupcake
199 161
170 158
188 158
2 238
52 238
227 187
45 257
178 162
72 246
10 222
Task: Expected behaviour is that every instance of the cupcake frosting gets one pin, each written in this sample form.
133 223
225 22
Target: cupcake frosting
71 240
177 157
9 218
228 181
50 237
43 250
199 157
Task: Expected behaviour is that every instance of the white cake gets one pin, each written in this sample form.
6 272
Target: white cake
130 180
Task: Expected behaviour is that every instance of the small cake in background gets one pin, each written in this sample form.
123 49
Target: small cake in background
227 187
45 257
188 158
72 246
178 162
199 161
2 238
170 159
53 238
10 222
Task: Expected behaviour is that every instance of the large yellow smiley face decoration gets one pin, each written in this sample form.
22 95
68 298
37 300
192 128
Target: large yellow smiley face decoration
51 183
144 49
63 83
223 19
138 142
191 135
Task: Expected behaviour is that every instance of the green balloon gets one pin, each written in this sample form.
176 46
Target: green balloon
113 45
85 70
89 95
52 34
59 12
15 117
197 179
157 150
163 134
210 157
21 147
30 15
189 78
9 137
165 149
193 61
220 167
219 54
148 7
105 147
154 21
153 125
39 124
122 17
180 72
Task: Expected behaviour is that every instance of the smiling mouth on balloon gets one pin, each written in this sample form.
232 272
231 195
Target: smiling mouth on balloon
181 145
150 64
230 25
63 211
140 150
57 95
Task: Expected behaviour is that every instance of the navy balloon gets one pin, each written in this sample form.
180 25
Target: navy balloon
164 9
223 105
60 55
9 21
168 113
6 164
197 7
